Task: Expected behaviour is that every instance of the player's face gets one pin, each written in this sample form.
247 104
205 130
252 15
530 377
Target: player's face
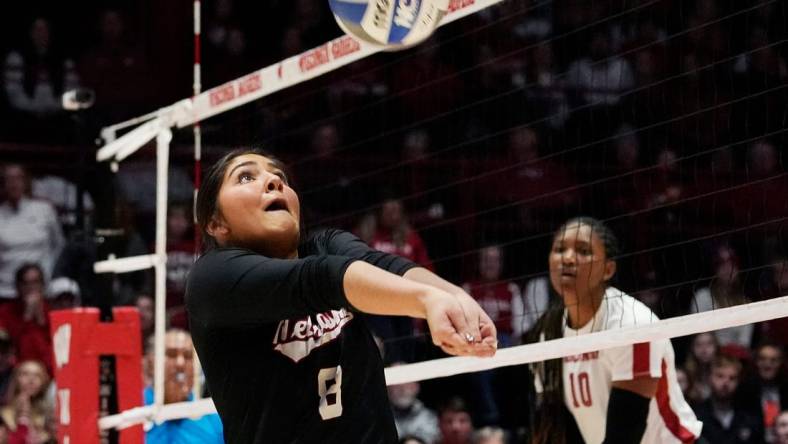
257 208
578 263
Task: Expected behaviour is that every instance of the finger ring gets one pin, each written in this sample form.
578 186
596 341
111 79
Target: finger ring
469 337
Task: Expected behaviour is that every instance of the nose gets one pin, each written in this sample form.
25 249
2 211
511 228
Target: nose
274 183
568 257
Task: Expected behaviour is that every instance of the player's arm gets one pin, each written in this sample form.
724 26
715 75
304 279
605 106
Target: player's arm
372 290
636 370
343 243
627 410
346 244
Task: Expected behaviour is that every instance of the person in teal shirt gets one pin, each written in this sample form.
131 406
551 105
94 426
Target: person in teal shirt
179 379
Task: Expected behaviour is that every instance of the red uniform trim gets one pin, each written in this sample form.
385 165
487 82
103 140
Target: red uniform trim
666 412
641 360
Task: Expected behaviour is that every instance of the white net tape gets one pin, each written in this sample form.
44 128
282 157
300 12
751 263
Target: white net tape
523 354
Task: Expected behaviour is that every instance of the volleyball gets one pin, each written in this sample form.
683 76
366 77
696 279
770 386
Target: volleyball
395 24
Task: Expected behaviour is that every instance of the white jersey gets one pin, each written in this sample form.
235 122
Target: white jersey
588 378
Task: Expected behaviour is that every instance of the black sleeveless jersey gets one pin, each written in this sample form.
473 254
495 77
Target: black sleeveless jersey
287 359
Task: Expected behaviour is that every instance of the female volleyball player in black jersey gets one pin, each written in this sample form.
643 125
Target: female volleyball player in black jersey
273 314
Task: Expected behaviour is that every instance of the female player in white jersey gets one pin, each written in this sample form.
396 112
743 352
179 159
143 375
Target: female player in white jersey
621 395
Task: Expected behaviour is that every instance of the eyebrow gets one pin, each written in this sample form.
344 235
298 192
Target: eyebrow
240 165
580 243
271 164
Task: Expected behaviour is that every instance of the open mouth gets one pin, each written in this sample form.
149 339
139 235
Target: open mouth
277 205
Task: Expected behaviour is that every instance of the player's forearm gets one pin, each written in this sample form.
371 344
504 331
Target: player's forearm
372 290
426 277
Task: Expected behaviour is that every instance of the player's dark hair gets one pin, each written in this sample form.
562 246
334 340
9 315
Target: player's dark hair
207 205
550 424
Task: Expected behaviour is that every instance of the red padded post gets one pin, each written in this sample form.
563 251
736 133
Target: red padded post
79 338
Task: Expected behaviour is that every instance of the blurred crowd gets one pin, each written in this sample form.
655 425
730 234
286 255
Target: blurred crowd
665 118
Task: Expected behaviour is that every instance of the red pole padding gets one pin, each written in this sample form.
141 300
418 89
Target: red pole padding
79 338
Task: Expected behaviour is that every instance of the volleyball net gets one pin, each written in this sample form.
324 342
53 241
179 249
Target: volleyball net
470 150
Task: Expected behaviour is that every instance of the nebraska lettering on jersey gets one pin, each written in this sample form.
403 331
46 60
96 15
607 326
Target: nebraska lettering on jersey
583 357
296 338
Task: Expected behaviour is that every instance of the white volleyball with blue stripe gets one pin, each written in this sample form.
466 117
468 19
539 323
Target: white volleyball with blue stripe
395 24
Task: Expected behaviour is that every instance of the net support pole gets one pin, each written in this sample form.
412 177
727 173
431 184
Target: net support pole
196 90
162 165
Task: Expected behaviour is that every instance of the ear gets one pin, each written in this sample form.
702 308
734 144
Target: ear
217 228
610 269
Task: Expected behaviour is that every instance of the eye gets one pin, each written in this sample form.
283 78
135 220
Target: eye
245 177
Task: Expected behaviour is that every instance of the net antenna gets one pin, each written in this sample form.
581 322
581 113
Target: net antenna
158 125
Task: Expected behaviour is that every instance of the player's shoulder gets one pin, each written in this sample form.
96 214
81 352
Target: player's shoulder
325 240
214 265
624 310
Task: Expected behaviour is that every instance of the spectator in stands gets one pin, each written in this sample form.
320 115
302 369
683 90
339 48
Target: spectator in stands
117 70
36 75
489 435
723 420
396 236
725 290
536 298
226 57
412 440
63 293
411 416
220 22
767 391
292 42
781 428
7 362
26 317
145 305
178 384
703 350
366 227
128 285
685 382
531 182
29 230
28 413
768 177
416 101
775 284
500 298
762 59
543 88
601 77
62 194
456 425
